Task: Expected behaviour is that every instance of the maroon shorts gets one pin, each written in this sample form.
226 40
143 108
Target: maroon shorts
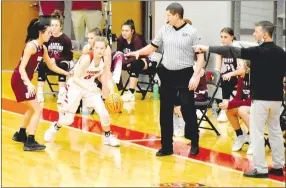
19 88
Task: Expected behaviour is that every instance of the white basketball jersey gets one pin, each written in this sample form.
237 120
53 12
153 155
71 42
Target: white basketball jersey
90 73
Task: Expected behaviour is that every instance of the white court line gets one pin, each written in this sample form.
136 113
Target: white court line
148 148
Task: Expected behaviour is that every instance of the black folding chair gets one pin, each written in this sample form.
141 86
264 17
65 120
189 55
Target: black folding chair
212 85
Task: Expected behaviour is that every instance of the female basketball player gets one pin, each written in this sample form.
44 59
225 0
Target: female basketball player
59 48
106 78
82 86
130 41
239 107
24 90
227 67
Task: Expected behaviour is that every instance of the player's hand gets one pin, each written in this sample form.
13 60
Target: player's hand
223 105
133 54
226 76
31 90
194 82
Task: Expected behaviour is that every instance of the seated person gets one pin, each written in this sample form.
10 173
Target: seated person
60 50
239 107
201 95
131 41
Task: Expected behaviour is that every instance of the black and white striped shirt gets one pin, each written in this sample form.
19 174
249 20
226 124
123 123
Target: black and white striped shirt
177 44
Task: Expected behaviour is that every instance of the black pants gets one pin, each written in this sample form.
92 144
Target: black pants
136 67
228 87
171 83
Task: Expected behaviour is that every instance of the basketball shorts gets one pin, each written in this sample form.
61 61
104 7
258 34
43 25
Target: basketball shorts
74 94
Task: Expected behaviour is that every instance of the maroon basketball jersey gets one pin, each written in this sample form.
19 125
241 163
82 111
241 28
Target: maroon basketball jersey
17 84
33 62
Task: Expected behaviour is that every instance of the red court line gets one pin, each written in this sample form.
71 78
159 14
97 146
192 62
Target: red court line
182 149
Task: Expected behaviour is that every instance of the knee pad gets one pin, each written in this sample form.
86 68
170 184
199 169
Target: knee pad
42 69
65 66
66 118
62 78
134 74
137 66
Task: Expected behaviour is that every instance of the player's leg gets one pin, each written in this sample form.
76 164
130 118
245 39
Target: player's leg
66 112
95 101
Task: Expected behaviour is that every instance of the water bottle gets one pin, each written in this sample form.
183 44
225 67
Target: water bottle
156 90
214 109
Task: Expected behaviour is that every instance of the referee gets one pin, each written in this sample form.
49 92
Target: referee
176 75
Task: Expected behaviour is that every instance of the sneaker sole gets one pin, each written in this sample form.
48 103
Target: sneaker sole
34 149
111 145
18 141
256 176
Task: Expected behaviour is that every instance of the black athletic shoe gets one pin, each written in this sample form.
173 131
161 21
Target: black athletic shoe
33 146
20 137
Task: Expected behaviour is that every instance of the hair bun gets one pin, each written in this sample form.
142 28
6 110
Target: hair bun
57 13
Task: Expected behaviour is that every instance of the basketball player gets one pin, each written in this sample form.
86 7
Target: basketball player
108 84
60 48
82 86
24 90
106 78
130 41
226 65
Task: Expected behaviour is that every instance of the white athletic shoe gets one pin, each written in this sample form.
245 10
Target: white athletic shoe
50 133
111 140
40 97
199 114
222 116
128 97
239 142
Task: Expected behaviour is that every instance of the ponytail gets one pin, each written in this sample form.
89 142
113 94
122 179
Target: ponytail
34 28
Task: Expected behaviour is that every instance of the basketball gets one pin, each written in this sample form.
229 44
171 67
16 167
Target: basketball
114 103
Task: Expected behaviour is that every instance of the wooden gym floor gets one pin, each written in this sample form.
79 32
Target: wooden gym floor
77 157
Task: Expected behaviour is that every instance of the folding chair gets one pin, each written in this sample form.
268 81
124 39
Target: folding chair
151 73
75 47
213 82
